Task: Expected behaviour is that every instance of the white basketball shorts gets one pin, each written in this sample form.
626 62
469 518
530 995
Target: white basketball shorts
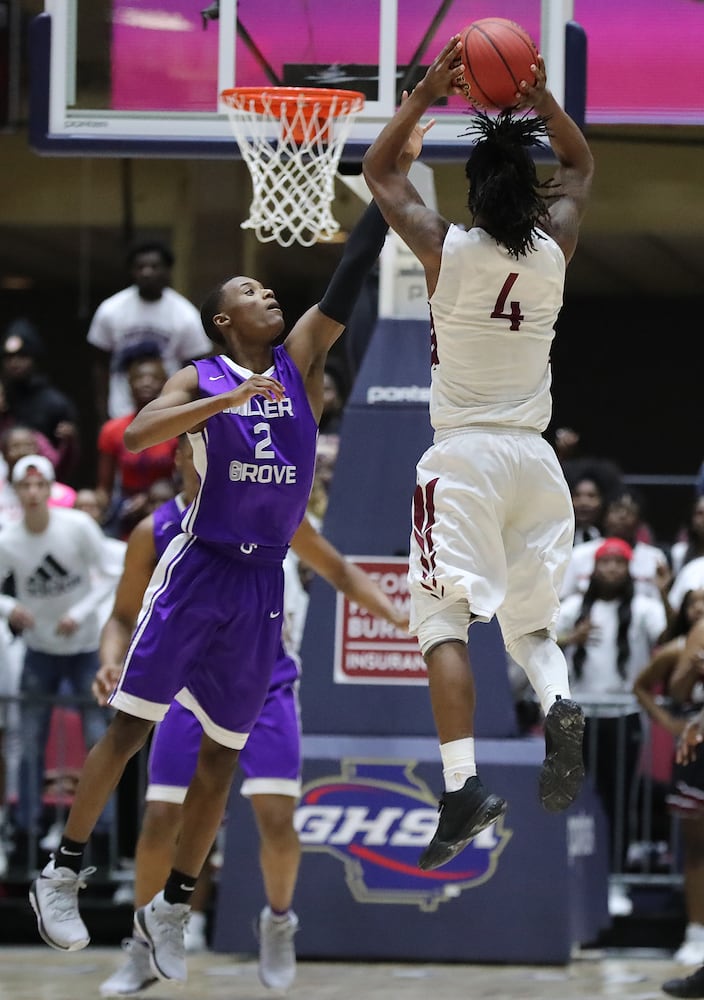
493 524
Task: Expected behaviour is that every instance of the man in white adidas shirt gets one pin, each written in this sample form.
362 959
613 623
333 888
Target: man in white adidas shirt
62 573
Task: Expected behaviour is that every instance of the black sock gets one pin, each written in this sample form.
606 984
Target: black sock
179 887
69 854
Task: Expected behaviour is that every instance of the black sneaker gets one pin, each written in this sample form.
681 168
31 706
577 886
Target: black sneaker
463 814
563 768
692 986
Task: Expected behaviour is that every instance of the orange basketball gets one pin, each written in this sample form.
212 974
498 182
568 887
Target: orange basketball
497 54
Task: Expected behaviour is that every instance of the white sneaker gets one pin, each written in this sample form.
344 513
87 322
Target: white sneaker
134 975
277 955
54 899
194 938
691 951
162 925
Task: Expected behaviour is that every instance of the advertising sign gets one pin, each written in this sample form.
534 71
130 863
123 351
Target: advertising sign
369 650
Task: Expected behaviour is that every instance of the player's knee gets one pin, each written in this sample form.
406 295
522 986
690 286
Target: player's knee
161 823
542 633
128 734
539 635
521 647
274 814
216 760
450 624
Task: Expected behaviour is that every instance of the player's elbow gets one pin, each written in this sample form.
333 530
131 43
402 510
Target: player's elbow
132 438
372 170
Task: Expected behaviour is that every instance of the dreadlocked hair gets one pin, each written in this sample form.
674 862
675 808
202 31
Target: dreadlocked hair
623 646
503 183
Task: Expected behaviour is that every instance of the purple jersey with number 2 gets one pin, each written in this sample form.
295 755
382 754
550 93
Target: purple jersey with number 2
210 626
255 463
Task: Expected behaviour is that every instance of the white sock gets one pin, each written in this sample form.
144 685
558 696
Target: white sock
545 666
457 763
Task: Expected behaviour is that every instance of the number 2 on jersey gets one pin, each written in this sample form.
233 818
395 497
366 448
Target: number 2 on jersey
261 448
515 314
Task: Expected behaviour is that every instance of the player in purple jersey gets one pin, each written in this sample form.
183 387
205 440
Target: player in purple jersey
271 760
252 415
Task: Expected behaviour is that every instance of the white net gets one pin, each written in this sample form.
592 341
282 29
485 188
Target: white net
291 142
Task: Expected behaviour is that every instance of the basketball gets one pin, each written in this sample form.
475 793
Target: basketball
497 54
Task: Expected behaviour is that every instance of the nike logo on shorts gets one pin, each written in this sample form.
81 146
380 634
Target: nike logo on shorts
214 378
274 614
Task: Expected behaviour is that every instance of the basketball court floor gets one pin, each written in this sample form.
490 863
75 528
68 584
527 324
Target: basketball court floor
38 973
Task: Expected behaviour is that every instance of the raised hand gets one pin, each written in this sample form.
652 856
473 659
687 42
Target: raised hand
535 94
66 625
104 682
445 74
256 385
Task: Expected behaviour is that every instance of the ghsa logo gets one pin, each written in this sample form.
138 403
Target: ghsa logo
377 817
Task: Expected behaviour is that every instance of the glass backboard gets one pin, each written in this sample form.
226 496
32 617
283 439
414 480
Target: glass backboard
143 77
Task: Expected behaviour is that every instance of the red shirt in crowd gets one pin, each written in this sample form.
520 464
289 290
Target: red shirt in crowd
137 472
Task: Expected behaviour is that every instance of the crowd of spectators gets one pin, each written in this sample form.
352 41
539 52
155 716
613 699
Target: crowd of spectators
622 601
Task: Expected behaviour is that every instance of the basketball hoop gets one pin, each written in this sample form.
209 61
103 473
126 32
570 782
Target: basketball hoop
291 139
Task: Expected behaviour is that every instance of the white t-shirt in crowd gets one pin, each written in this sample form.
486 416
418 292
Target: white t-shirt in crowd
600 675
126 319
65 570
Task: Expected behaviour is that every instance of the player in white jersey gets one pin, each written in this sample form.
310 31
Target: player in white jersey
493 522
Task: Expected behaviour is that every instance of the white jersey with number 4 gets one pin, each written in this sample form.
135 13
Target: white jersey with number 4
493 319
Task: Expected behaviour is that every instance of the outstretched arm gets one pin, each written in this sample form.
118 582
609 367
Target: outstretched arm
178 408
314 550
573 178
422 229
316 331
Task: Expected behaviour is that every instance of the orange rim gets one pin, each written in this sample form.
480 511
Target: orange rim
252 98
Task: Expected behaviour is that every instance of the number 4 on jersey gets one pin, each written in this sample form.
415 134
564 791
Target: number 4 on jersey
515 314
